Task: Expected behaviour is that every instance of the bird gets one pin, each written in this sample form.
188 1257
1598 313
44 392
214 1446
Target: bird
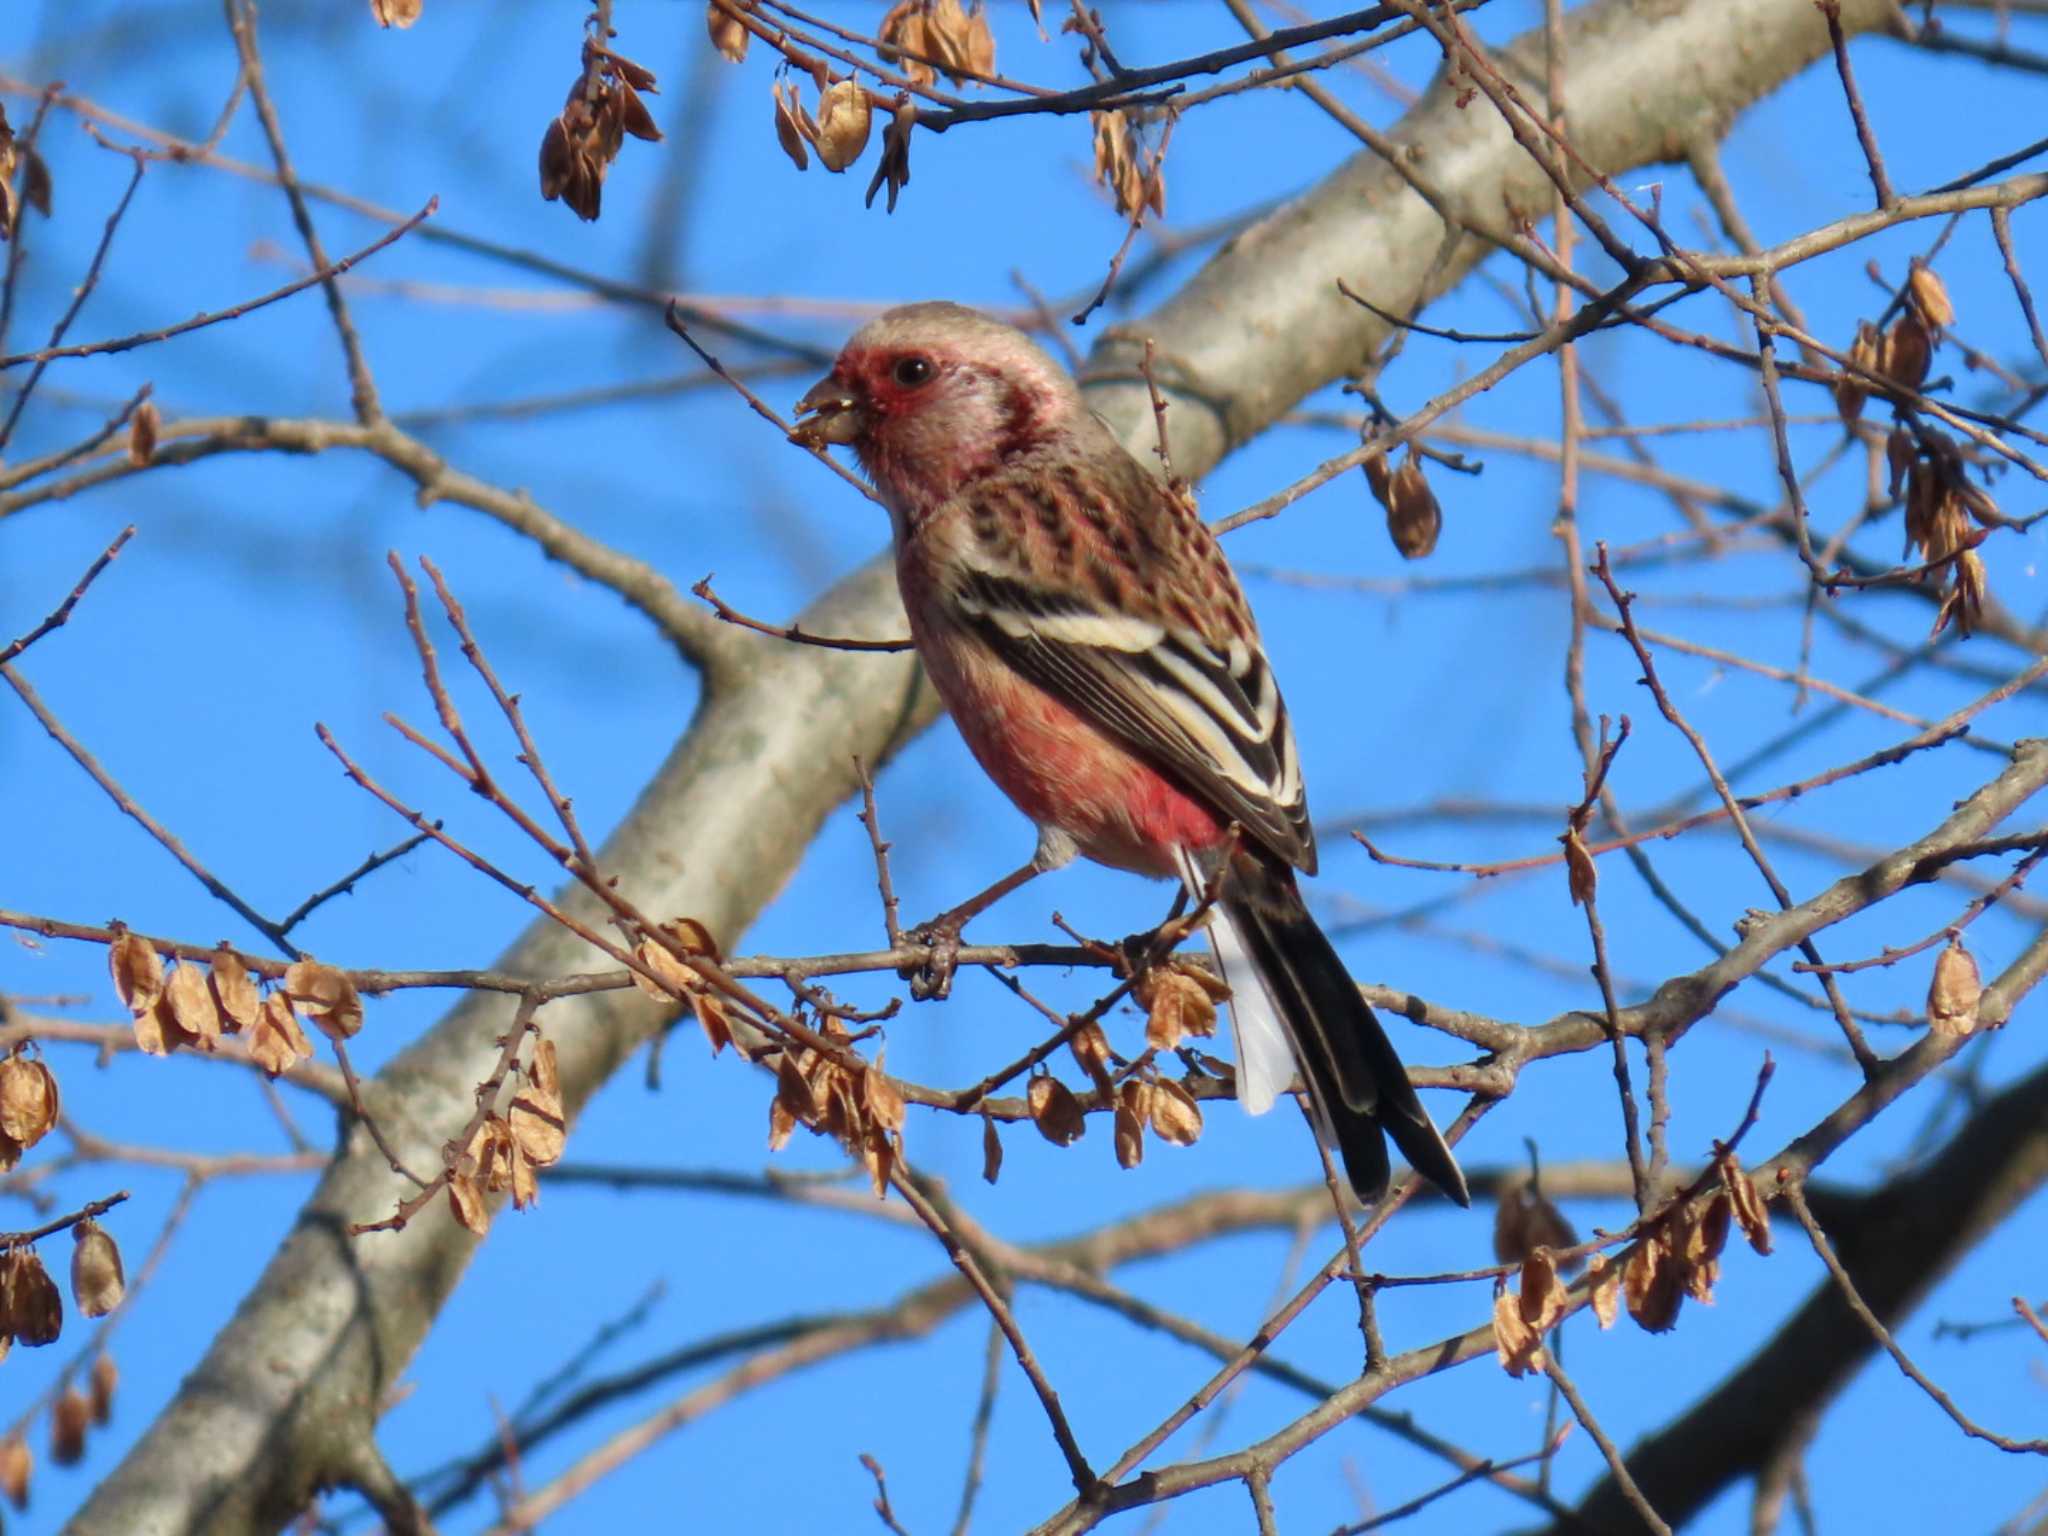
1091 642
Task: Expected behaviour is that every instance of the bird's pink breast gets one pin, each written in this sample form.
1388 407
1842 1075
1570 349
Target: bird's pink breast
1058 768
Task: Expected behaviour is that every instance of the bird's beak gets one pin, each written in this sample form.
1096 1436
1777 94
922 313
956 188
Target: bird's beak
828 413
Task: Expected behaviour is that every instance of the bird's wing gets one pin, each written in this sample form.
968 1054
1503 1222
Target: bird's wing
1196 699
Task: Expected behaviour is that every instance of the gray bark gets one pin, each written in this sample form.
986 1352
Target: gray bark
287 1396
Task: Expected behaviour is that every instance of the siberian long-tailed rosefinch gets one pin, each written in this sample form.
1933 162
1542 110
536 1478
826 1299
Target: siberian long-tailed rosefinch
1092 644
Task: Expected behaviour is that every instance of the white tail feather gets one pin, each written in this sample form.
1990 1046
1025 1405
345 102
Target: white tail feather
1265 1059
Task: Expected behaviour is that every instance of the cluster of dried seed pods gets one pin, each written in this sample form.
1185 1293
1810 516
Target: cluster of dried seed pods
602 110
1942 505
182 1005
507 1150
859 1106
839 131
916 35
1120 167
28 1102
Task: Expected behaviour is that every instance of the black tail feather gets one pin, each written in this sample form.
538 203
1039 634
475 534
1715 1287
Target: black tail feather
1359 1084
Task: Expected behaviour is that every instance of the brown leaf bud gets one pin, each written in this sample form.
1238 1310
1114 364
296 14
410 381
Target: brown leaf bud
142 430
1930 297
1581 876
729 35
1518 1346
1908 351
1413 517
1176 1117
1951 998
97 1283
104 1379
138 972
28 1098
991 1150
843 121
30 1307
327 995
17 1463
1055 1111
69 1417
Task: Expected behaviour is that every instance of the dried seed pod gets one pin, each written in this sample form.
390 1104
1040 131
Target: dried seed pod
1652 1285
991 1150
729 35
189 1001
1131 1102
1176 1118
1744 1203
1930 297
793 125
1605 1289
1900 454
1090 1048
951 39
69 1417
1543 1297
276 1041
1518 1347
1953 994
1175 1005
138 972
97 1283
670 979
843 120
1116 160
1055 1111
104 1379
880 1097
794 1096
902 33
878 1151
1413 517
233 991
30 1307
1867 353
28 1098
538 1121
711 1018
395 13
1379 475
1964 602
1524 1221
466 1203
1908 351
17 1463
327 995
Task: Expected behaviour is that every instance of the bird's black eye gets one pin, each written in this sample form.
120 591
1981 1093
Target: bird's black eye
912 371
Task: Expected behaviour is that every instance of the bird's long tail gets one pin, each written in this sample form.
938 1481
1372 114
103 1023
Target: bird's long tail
1293 998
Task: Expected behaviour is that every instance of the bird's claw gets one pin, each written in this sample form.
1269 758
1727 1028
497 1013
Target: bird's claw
931 979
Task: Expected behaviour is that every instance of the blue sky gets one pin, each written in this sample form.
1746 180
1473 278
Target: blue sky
254 602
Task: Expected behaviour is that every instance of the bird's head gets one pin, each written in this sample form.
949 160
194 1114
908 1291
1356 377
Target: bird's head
932 396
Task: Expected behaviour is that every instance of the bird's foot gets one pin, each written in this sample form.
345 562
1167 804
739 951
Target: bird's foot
931 978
